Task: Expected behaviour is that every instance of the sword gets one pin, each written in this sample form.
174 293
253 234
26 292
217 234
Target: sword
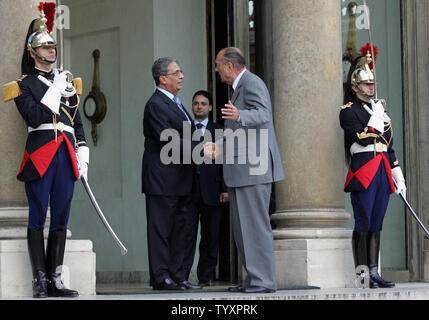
376 97
61 34
103 219
85 183
413 213
366 9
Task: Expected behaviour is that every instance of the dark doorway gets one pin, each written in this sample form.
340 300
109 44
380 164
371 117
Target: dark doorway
220 35
221 20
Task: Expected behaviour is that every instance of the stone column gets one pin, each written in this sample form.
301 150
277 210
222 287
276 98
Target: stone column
12 128
416 132
312 246
15 273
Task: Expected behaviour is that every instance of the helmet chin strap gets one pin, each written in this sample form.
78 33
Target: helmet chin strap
42 59
365 94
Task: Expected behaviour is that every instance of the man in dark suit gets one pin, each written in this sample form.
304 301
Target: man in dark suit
209 193
166 185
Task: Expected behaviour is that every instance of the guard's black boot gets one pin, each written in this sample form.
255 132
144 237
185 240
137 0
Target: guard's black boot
36 251
373 253
54 262
360 253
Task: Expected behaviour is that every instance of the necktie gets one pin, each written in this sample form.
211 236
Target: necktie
179 104
200 126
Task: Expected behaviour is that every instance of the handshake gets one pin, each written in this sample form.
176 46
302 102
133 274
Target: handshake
211 150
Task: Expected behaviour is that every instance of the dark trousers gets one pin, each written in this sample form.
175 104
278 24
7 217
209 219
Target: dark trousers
56 188
370 205
209 218
166 221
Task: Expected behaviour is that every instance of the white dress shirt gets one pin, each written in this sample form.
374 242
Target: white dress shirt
204 123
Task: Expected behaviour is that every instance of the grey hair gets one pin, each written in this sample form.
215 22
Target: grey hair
235 56
160 68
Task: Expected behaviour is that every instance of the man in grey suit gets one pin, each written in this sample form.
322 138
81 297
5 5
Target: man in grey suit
251 163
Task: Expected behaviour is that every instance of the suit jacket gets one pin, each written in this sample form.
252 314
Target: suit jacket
354 121
252 99
211 178
41 146
173 179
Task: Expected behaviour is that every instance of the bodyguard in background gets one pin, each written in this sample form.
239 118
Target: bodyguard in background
209 194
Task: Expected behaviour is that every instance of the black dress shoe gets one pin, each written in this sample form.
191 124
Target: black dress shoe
375 277
168 284
257 289
189 286
381 283
238 288
204 284
373 284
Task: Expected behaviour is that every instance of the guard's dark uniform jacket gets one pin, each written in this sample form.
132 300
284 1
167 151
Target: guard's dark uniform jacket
42 145
364 165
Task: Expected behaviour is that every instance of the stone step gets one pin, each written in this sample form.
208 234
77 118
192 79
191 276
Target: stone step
402 291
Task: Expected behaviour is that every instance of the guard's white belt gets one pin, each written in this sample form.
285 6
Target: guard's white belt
50 126
378 147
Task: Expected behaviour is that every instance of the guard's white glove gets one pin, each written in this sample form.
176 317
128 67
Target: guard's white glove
60 81
82 156
378 116
52 97
400 181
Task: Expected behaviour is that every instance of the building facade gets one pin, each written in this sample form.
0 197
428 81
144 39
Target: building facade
300 49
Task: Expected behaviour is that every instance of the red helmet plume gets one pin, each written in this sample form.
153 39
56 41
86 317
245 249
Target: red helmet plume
364 51
49 9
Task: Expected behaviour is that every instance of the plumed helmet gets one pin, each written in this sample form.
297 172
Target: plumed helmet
363 68
363 73
42 29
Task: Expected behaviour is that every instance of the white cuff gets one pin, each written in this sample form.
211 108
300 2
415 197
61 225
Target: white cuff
397 175
52 99
83 154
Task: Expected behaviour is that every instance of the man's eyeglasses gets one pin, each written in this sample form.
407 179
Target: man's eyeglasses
176 74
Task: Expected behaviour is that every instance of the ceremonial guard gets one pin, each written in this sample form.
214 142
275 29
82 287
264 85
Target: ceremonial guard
374 171
55 155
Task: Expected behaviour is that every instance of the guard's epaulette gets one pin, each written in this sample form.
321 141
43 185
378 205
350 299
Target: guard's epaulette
348 105
11 90
77 84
